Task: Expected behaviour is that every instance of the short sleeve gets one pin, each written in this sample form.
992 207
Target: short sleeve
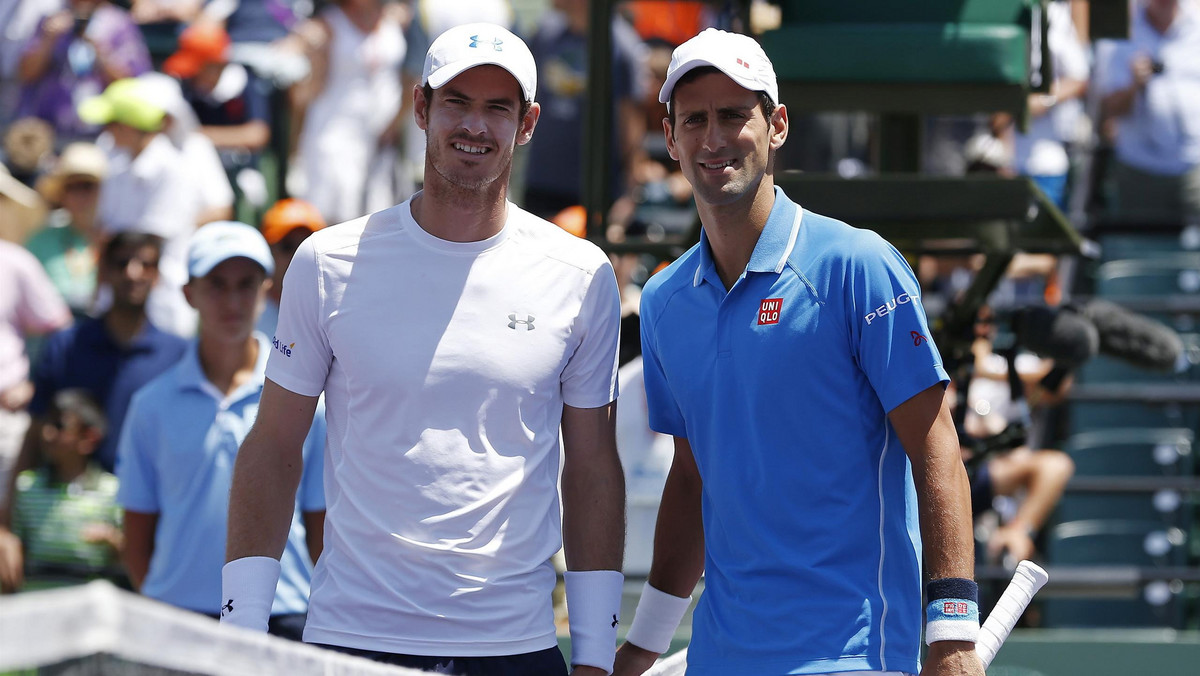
664 413
136 473
312 481
1112 65
41 307
892 343
590 378
301 358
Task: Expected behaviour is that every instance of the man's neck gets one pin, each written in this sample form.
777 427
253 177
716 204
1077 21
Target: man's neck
456 214
124 323
228 366
733 230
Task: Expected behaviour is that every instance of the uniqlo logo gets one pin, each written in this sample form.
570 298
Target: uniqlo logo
768 311
954 608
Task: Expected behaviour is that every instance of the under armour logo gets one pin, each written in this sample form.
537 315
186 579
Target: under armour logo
615 621
513 321
227 608
494 42
917 338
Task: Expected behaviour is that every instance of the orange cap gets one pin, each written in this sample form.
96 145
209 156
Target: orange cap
288 214
573 219
199 44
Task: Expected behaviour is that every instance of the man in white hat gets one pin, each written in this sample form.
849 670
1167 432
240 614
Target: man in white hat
453 336
789 356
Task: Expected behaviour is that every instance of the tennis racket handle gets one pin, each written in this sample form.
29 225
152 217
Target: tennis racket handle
1026 582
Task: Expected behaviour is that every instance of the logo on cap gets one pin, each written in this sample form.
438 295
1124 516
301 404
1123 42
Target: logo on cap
743 64
495 43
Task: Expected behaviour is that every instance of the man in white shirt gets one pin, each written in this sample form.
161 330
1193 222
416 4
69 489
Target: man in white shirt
149 190
453 336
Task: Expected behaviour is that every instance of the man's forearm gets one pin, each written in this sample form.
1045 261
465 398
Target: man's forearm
262 499
594 515
679 533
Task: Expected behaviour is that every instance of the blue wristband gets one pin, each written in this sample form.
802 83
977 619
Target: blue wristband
953 610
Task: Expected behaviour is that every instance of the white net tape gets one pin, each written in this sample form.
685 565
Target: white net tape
50 627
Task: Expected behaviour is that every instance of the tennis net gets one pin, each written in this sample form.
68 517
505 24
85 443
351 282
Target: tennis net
99 630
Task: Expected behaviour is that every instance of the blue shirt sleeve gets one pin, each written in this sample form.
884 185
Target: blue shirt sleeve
887 322
665 415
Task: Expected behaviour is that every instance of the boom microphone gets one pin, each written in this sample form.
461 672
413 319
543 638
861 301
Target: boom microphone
1134 338
1065 336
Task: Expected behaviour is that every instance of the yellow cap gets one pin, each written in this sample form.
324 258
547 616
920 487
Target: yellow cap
126 102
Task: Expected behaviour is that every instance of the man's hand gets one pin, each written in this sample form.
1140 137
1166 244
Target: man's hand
632 660
1142 68
952 658
1011 538
58 24
12 562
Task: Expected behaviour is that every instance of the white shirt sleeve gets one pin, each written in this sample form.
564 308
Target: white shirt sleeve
301 356
590 377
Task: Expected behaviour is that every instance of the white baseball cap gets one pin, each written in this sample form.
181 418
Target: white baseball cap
478 44
219 241
738 56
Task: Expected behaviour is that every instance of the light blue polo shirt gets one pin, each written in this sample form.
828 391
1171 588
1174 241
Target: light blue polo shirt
782 386
175 459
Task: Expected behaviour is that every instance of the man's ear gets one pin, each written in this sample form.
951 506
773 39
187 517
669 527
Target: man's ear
420 107
528 123
670 138
779 127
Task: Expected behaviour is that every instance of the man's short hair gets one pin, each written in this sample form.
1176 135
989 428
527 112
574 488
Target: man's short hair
764 99
129 240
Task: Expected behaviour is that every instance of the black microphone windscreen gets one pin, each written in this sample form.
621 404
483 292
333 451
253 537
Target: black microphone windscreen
1134 338
1062 335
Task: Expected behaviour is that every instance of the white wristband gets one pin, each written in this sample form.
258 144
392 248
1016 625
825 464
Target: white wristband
248 590
656 619
593 612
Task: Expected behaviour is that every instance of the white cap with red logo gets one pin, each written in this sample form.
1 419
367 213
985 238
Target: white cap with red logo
738 56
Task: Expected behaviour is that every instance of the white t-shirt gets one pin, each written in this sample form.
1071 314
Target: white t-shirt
445 366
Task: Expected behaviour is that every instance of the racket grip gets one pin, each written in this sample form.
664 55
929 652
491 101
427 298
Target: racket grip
1026 582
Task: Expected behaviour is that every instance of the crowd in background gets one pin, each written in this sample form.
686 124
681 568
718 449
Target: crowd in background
128 125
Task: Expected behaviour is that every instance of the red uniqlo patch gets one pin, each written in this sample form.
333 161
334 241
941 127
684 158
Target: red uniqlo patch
954 608
768 311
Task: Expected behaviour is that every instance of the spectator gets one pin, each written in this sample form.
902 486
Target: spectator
112 356
29 306
992 408
67 245
73 54
1055 117
20 20
150 192
65 512
21 208
554 178
356 48
229 100
199 154
1150 88
183 430
285 225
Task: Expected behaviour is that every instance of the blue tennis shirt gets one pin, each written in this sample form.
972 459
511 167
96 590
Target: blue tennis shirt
782 386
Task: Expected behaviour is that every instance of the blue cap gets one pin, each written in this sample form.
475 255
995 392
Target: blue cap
219 241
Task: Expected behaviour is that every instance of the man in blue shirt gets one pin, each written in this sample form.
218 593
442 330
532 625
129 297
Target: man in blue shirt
183 431
789 356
